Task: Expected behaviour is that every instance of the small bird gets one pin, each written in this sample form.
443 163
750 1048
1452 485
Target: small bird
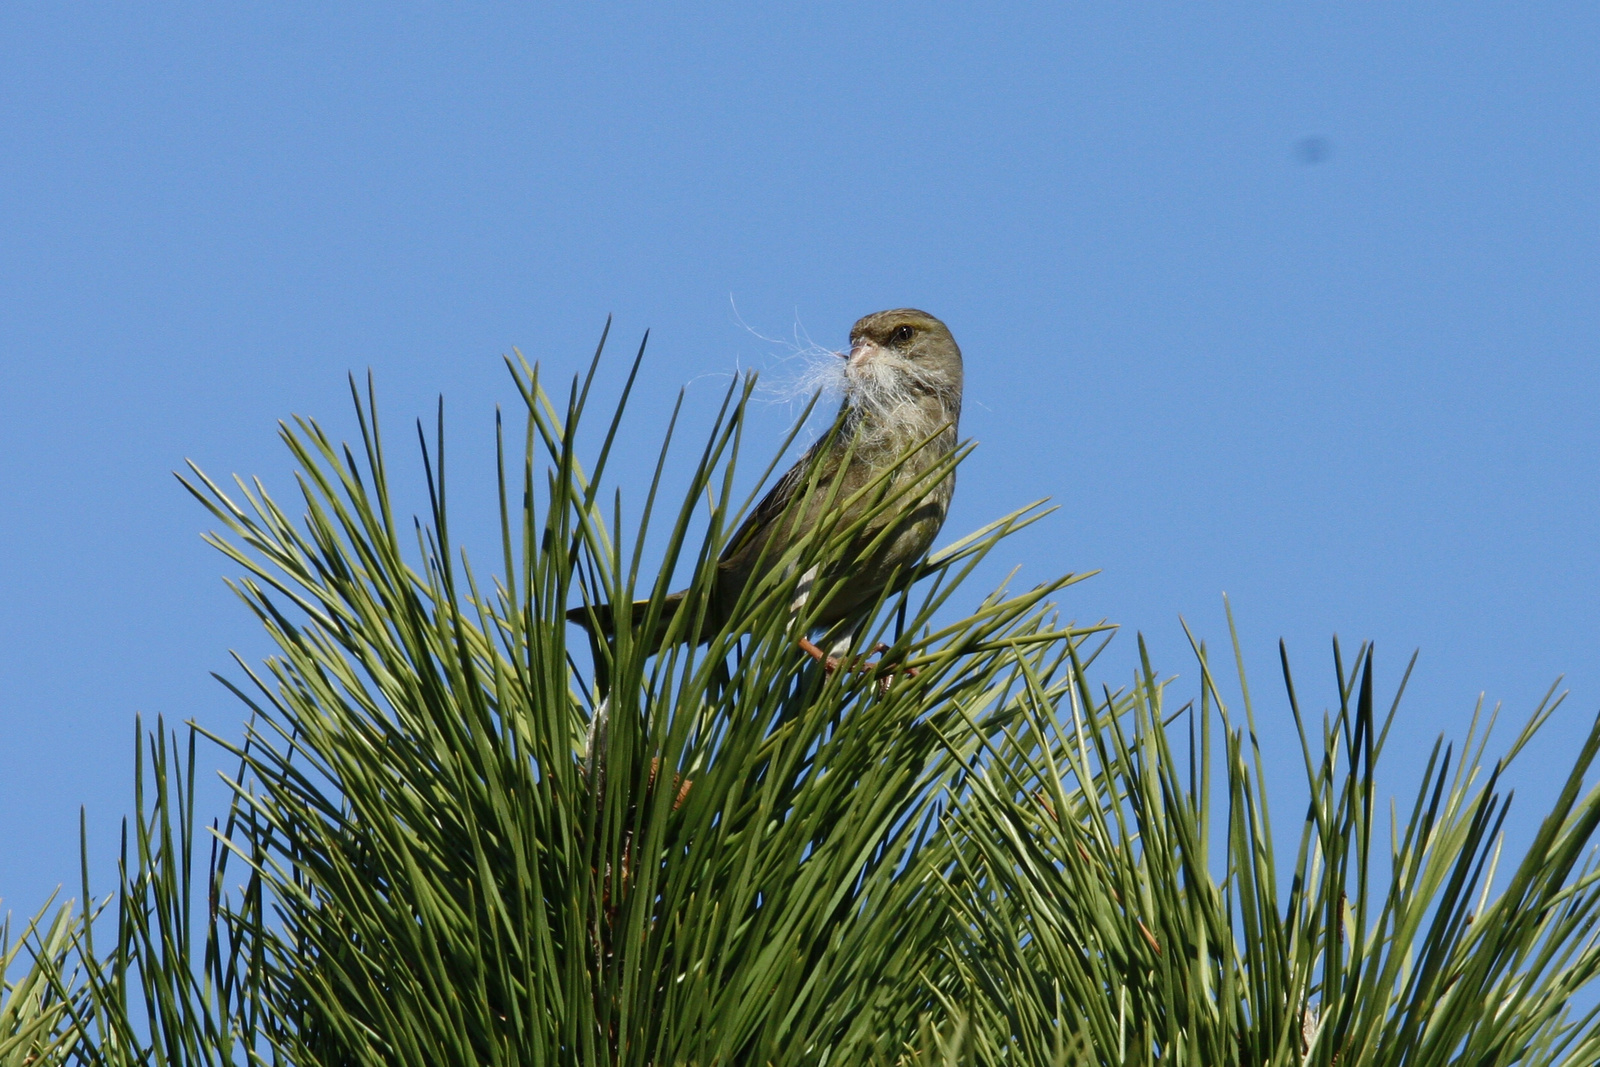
902 387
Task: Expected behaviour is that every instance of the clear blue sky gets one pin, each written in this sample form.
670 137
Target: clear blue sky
1352 384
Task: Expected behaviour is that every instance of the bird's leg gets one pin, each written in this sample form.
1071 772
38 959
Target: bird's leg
833 658
809 647
831 663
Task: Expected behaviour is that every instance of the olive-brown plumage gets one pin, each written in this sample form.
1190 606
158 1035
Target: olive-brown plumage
903 382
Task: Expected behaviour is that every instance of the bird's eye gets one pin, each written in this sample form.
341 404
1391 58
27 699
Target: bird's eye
902 334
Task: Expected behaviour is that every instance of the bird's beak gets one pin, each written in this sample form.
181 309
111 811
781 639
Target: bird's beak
861 351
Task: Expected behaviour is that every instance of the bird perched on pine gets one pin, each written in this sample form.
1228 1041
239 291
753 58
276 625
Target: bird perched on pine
902 389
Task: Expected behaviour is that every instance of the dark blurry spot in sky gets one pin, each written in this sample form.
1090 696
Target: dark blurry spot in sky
1312 150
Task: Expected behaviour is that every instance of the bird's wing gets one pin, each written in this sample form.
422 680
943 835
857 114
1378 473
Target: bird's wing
773 505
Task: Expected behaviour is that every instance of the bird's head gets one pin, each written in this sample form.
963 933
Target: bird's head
900 360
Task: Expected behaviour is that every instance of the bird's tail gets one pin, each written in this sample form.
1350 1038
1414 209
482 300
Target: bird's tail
600 619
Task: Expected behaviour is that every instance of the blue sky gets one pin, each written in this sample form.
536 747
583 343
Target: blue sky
1357 392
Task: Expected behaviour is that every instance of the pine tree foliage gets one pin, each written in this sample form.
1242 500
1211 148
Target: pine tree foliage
463 833
34 1019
